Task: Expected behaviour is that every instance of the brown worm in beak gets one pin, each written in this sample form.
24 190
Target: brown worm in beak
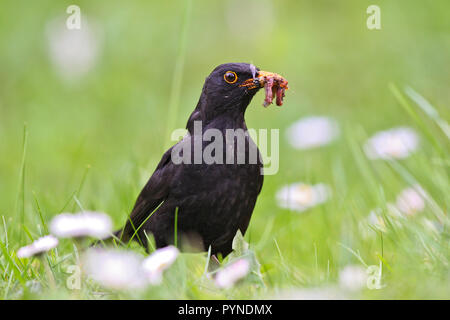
268 88
274 85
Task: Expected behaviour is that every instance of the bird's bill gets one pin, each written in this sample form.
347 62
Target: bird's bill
274 85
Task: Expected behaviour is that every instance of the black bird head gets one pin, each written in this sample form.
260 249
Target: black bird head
229 89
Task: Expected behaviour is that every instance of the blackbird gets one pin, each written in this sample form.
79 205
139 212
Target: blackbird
209 202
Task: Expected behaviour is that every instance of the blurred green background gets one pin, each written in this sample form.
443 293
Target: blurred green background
113 118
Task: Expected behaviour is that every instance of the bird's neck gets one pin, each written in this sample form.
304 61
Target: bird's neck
224 116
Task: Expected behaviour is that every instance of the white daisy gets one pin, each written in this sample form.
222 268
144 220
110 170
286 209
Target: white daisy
159 261
411 200
352 277
311 132
39 246
376 220
228 276
114 269
300 196
397 143
84 224
73 52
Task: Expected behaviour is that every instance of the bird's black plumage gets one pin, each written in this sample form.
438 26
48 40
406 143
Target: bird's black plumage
213 200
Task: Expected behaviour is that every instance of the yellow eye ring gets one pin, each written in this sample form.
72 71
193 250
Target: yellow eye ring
230 77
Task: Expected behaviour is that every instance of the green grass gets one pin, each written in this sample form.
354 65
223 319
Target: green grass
92 144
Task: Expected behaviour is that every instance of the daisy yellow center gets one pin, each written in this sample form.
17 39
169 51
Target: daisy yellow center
304 194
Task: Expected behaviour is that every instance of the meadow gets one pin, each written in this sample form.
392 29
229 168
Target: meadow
84 122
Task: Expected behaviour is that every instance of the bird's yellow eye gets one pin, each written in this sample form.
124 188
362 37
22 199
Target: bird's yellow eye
230 76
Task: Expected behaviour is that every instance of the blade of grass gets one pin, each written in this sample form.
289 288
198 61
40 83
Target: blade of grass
384 262
6 232
429 110
406 106
78 203
149 241
20 203
67 202
28 233
205 271
356 254
44 224
140 226
80 187
15 268
5 295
